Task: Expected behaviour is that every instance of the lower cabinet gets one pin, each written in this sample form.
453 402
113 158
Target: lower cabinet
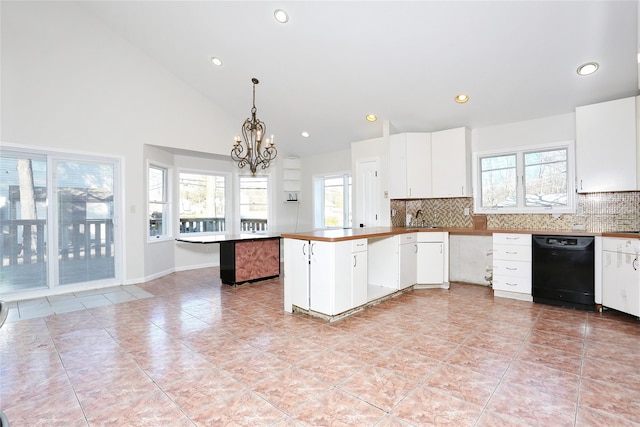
359 272
512 265
432 259
408 260
620 274
325 277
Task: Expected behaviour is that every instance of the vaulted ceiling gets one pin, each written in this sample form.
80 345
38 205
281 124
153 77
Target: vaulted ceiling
333 63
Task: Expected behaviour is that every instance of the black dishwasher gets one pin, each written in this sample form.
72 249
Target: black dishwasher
563 271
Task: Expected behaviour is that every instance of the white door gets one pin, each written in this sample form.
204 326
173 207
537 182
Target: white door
368 189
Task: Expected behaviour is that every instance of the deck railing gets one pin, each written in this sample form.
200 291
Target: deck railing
211 225
24 241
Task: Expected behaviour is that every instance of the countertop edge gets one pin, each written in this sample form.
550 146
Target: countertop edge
364 233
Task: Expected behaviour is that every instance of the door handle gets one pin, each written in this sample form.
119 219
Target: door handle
355 260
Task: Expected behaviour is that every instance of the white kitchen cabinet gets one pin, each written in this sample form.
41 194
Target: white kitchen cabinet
451 163
408 260
606 146
512 265
621 274
432 260
410 166
359 265
325 277
296 274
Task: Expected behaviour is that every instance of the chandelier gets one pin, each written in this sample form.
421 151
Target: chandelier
248 150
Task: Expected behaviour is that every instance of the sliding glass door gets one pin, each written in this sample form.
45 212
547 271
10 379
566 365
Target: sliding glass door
23 222
78 196
85 218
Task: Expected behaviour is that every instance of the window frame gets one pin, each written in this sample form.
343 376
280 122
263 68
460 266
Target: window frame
319 200
521 207
167 195
228 200
51 157
269 203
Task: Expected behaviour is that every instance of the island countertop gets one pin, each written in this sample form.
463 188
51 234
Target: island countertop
218 238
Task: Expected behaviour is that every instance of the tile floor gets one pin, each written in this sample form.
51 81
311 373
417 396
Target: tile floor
202 353
65 303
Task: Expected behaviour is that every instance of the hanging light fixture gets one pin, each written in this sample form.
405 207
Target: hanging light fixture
253 131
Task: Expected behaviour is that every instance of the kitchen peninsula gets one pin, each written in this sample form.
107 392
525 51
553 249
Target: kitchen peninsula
244 257
334 273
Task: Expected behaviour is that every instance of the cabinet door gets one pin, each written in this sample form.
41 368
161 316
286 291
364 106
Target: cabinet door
398 167
621 282
321 272
606 146
296 273
451 163
430 263
418 165
408 264
359 279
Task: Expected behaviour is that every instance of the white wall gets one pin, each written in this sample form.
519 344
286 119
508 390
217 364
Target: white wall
531 132
70 83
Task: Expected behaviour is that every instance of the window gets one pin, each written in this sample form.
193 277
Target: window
254 206
57 228
545 178
536 179
158 202
202 202
333 195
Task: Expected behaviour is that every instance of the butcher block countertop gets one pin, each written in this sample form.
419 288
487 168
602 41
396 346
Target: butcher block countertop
337 235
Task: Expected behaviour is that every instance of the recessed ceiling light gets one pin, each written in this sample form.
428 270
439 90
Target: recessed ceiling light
588 68
462 98
371 117
305 134
216 61
281 16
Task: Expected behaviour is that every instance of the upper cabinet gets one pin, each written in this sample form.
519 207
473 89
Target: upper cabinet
430 165
410 166
451 163
606 146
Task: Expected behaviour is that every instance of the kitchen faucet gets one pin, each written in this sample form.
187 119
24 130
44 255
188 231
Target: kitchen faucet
419 215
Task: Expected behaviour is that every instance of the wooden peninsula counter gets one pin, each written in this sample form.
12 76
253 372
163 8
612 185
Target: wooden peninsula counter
244 257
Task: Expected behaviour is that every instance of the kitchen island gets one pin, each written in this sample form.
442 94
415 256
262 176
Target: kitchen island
244 257
334 273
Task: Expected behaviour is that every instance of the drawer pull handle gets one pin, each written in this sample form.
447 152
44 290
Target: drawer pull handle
512 238
511 284
511 253
512 268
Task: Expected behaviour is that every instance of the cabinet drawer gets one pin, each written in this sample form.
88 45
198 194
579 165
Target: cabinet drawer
618 244
358 245
431 236
512 239
408 238
512 252
511 268
512 284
